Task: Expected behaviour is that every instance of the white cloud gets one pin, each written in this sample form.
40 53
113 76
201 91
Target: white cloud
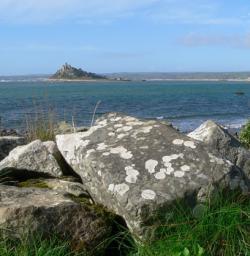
46 11
198 40
199 12
204 12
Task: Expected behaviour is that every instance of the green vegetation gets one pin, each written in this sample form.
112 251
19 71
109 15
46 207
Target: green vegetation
245 135
223 229
36 247
41 126
33 184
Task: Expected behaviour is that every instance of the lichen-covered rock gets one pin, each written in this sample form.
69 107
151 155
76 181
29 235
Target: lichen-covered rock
221 142
26 211
34 157
140 168
7 143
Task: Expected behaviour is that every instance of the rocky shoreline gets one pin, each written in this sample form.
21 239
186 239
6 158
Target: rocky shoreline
122 167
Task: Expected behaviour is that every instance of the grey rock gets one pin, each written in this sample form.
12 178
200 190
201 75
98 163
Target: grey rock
33 157
7 143
221 142
139 169
27 211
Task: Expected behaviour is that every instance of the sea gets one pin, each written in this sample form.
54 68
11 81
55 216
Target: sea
186 104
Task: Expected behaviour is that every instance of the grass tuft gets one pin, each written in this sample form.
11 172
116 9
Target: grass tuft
41 126
245 135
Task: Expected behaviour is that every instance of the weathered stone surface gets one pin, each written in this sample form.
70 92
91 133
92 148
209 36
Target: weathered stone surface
45 212
140 168
34 157
221 142
7 143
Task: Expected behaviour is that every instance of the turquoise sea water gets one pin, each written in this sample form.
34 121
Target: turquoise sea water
185 104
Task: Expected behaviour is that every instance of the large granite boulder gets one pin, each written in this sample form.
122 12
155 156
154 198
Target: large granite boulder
27 211
140 168
7 143
35 157
221 142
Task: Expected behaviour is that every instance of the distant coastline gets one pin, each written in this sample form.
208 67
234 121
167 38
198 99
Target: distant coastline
149 80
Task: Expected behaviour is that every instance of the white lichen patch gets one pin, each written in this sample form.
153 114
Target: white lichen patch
120 189
111 134
102 123
115 119
125 129
179 174
111 187
202 176
190 144
144 147
106 154
132 174
169 170
148 194
146 129
134 123
168 159
214 159
150 165
101 146
118 125
161 175
130 119
178 142
123 152
121 136
89 152
185 168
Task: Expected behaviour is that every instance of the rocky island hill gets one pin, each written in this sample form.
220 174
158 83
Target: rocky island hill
67 72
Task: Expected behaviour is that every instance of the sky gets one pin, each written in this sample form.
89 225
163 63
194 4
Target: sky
103 36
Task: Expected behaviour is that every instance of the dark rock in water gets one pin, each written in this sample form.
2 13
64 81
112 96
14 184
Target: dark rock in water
221 142
9 132
71 73
140 169
8 143
27 211
239 93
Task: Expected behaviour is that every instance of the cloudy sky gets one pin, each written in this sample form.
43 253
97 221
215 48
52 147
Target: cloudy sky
124 35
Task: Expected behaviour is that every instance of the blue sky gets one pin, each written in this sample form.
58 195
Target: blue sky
124 35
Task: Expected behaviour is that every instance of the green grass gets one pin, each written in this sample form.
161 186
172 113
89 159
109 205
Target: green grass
245 135
222 229
36 247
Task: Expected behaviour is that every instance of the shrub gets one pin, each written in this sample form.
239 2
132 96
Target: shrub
245 135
